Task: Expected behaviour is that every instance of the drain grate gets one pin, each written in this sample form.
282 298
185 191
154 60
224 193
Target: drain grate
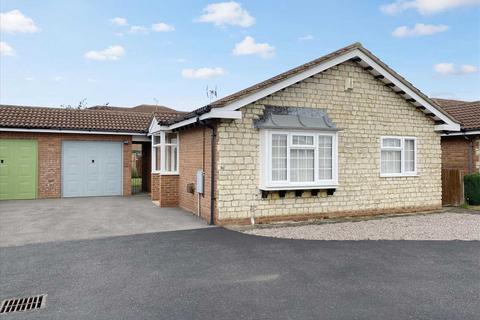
23 304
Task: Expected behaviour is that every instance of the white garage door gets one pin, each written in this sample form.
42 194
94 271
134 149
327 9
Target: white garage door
91 168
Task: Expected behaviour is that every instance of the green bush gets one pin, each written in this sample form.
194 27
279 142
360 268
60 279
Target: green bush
472 188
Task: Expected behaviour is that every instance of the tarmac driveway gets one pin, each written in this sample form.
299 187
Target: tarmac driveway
215 273
36 221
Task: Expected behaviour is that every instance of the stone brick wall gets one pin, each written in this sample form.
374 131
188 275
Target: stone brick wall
50 154
364 114
195 153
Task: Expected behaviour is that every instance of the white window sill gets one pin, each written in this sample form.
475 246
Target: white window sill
306 187
398 175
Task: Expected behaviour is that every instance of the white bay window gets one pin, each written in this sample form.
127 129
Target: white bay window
398 156
165 155
298 160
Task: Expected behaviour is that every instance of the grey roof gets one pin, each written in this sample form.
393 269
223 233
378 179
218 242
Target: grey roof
275 117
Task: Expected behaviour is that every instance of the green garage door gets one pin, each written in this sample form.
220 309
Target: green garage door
18 169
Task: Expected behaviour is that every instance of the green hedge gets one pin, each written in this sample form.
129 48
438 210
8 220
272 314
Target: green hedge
472 188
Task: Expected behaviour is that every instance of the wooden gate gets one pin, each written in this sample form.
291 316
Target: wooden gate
452 187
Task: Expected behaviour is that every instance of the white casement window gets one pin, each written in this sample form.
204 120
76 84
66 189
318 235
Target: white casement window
298 159
165 155
398 156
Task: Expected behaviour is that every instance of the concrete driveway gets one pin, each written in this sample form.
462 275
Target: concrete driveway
220 274
36 221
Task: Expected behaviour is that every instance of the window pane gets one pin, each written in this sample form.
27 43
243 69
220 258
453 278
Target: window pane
391 142
157 158
391 161
171 137
409 155
279 157
301 165
302 140
156 139
325 162
170 158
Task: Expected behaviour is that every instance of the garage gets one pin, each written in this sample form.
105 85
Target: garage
18 169
92 168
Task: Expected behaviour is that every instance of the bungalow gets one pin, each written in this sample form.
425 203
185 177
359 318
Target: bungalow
338 136
341 135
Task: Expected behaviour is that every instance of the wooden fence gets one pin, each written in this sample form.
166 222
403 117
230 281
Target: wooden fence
452 187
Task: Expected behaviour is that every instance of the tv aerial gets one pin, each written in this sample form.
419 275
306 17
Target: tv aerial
211 93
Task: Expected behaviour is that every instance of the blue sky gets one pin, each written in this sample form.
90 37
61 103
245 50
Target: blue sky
60 52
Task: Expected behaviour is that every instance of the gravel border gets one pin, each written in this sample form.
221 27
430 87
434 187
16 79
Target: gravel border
448 225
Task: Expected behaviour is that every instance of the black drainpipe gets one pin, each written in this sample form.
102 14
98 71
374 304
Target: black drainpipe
212 169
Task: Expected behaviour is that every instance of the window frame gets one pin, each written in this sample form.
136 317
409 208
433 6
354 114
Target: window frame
162 146
402 150
266 182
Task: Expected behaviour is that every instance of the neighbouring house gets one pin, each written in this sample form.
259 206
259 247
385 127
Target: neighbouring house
461 149
57 152
341 135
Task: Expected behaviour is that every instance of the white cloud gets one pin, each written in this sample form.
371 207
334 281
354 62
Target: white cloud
14 21
202 73
119 21
306 37
447 68
425 6
224 13
6 50
468 68
138 30
111 53
58 78
29 79
248 46
162 27
418 30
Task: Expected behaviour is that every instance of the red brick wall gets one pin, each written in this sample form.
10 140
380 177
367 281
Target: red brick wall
50 154
168 196
195 153
455 153
155 186
476 157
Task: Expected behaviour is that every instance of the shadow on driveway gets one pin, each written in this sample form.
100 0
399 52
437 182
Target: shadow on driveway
220 274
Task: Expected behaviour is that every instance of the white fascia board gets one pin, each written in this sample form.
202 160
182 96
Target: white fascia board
221 114
290 81
450 125
155 127
466 133
213 114
182 123
73 131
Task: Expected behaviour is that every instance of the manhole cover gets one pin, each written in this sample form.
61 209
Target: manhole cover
23 304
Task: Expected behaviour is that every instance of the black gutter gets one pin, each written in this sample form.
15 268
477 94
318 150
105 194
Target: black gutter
189 115
212 169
